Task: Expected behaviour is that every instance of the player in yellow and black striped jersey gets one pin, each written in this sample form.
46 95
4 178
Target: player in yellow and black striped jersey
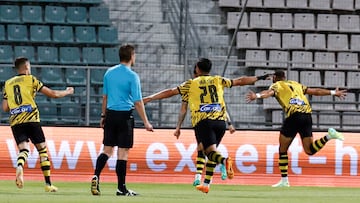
19 100
291 96
205 96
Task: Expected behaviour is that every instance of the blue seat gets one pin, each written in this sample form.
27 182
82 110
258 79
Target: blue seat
96 76
108 35
55 14
93 55
95 111
6 54
25 51
63 34
75 76
17 33
99 15
47 54
76 15
6 72
31 14
52 76
40 33
49 113
69 55
70 113
111 55
85 34
2 33
9 13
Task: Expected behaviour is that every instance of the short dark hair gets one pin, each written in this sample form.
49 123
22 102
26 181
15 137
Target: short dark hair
204 65
279 73
125 52
20 61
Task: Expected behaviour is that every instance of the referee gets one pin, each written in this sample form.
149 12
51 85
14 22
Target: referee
121 94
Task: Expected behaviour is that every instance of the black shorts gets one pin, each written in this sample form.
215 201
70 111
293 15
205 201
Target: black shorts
297 123
25 131
119 129
210 132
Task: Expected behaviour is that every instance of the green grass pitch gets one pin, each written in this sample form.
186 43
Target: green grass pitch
69 192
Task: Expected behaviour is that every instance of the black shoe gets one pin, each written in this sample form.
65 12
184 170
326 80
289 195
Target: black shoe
126 193
95 186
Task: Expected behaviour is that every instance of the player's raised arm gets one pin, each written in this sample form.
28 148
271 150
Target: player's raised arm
161 95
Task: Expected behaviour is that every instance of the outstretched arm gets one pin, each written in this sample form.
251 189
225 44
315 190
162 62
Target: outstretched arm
322 92
249 80
161 95
56 93
251 96
181 118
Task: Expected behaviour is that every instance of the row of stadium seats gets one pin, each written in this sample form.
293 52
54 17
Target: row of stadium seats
85 2
297 41
61 55
295 21
302 59
324 79
54 14
347 5
59 34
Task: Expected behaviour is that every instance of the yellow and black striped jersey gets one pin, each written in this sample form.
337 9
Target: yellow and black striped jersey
20 92
205 97
291 96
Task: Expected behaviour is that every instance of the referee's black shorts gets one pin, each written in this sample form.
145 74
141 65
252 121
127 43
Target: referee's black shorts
119 129
297 123
210 132
25 131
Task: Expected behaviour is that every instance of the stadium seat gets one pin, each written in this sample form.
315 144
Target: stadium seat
48 113
302 59
6 54
40 33
337 42
346 60
315 41
322 103
9 14
304 21
32 14
329 120
271 103
346 104
85 34
47 54
95 111
93 55
76 15
357 4
70 114
69 55
52 76
55 14
349 23
17 33
96 76
260 20
230 3
274 3
111 55
278 59
246 40
263 83
355 42
310 78
298 4
75 76
293 75
327 22
351 121
353 79
253 3
2 33
270 40
25 51
277 117
343 5
333 79
324 60
41 98
6 72
255 58
233 20
108 35
282 21
63 34
99 15
292 41
319 4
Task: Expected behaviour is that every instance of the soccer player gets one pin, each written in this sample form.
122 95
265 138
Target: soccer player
291 97
19 99
205 96
121 93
